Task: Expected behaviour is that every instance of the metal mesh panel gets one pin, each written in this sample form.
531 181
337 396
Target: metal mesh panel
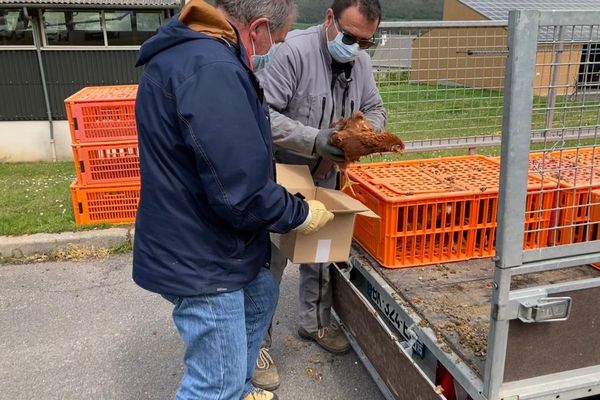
566 117
442 81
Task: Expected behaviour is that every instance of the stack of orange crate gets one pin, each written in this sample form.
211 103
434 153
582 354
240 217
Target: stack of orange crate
105 152
439 210
576 206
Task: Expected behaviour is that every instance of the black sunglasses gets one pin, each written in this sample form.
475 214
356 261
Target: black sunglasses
349 39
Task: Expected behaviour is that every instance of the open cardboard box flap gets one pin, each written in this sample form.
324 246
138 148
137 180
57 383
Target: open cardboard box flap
297 179
340 203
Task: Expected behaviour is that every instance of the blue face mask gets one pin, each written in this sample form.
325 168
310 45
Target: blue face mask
341 52
261 61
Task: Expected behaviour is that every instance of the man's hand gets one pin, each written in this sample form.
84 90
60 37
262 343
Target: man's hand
318 217
325 149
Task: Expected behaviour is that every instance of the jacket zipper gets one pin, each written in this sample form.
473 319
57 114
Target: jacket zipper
322 111
344 98
323 103
333 80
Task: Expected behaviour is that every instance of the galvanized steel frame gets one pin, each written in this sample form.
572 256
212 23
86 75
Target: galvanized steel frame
571 384
475 142
516 139
443 24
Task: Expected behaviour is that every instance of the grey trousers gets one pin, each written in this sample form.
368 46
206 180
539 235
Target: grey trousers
315 295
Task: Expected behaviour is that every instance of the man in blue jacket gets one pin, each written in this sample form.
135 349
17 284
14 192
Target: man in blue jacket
209 199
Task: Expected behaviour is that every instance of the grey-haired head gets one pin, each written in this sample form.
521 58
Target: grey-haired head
278 12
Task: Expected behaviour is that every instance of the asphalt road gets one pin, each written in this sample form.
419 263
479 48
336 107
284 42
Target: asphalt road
85 331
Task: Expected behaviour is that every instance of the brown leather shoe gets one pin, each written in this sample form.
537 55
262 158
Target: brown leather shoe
265 375
330 338
260 394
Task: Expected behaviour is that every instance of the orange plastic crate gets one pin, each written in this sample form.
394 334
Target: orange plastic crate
111 204
595 217
102 114
107 163
424 220
577 172
481 175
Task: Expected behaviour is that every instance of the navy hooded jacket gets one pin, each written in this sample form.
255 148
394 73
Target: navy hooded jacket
208 197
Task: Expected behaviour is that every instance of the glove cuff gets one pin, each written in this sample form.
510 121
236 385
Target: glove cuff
306 222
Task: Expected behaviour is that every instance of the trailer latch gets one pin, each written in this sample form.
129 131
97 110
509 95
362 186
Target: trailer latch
548 309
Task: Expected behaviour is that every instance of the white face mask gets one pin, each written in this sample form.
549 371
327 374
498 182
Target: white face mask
261 61
341 52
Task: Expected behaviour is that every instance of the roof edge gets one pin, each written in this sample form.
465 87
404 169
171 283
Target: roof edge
479 12
90 6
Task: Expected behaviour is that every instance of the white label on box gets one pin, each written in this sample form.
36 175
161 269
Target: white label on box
323 251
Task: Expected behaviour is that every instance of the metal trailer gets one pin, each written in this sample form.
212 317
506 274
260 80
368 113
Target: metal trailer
525 324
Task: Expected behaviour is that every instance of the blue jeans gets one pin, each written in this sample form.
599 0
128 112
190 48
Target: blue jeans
222 334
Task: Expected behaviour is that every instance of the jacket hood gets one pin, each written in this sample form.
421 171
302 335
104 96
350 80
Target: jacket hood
197 20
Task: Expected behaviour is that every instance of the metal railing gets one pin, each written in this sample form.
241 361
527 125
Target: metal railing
551 95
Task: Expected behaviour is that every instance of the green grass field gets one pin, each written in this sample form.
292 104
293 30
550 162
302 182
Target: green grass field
35 198
421 111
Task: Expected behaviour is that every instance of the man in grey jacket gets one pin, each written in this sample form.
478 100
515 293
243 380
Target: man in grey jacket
318 76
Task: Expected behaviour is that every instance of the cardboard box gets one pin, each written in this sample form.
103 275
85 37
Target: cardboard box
332 242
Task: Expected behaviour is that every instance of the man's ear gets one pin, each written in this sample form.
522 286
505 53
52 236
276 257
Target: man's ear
328 18
255 26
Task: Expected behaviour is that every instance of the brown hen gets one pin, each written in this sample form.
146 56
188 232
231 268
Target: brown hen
357 138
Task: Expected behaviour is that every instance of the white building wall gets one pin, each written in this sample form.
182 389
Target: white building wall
30 141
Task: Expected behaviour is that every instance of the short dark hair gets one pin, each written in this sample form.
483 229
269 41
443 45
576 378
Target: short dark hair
369 8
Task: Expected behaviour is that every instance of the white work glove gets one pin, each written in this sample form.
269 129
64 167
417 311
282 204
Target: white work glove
318 217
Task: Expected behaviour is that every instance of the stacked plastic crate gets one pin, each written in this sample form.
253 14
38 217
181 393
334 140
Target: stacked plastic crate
105 151
577 204
439 210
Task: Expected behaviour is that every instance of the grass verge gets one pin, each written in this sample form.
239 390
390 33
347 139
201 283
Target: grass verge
35 198
72 253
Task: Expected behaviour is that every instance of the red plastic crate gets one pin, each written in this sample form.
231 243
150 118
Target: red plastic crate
107 163
424 220
110 204
481 175
102 114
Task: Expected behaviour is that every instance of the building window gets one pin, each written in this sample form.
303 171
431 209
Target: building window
15 28
76 28
127 28
96 28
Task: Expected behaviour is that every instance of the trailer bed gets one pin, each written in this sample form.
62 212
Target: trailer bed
454 299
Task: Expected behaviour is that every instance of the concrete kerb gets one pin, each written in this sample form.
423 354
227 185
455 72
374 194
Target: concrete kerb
46 243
